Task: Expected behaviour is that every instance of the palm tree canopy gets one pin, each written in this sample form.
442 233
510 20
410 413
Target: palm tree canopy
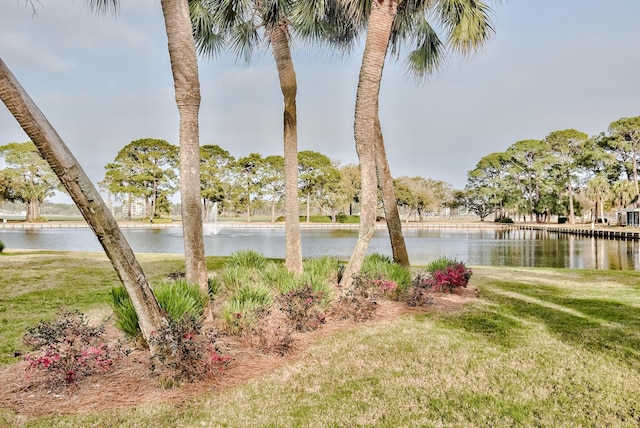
242 25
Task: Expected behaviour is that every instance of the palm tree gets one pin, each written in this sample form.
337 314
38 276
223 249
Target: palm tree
87 199
184 66
467 26
242 25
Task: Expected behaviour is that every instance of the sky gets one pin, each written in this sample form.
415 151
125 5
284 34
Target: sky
104 81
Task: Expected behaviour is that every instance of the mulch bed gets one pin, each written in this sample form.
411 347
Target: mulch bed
131 382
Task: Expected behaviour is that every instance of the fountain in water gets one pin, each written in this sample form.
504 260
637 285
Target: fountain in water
210 226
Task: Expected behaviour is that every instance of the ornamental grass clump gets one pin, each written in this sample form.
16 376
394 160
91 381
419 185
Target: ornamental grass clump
393 279
176 298
67 350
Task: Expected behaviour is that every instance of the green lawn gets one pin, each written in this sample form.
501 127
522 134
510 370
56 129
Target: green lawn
539 347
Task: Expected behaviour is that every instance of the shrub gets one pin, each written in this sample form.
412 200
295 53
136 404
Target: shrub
67 350
447 276
184 353
177 298
277 276
344 218
358 302
381 268
316 218
303 307
503 219
420 292
275 333
247 259
180 297
246 306
1 246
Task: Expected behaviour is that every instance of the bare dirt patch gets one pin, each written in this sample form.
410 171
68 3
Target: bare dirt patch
131 382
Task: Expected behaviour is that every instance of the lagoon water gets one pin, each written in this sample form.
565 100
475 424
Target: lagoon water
476 247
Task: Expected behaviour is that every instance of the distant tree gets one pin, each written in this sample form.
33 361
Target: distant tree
144 168
599 191
525 162
317 176
217 167
349 186
28 177
274 180
250 180
476 200
421 195
623 140
488 181
566 147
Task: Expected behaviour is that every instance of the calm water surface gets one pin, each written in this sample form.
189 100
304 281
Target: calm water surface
480 247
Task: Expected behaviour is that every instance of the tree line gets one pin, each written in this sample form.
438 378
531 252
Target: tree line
147 169
563 174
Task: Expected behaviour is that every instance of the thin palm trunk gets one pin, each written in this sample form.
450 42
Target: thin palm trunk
86 198
288 85
389 201
381 20
184 65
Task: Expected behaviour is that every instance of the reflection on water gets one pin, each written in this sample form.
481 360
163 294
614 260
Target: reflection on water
484 247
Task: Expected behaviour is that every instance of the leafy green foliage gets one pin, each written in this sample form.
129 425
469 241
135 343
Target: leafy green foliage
177 298
1 246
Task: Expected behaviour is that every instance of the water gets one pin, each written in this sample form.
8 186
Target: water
479 247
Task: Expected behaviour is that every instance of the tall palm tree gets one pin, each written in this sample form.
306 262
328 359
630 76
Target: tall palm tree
242 25
86 198
184 65
394 22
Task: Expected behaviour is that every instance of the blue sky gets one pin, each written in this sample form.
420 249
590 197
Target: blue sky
105 81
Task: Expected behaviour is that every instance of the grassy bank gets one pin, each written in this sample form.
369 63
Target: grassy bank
539 347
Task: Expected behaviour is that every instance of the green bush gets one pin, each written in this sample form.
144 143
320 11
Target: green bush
440 263
1 246
316 218
344 218
504 219
177 298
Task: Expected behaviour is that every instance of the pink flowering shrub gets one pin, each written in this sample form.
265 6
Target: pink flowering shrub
443 276
184 353
67 350
304 308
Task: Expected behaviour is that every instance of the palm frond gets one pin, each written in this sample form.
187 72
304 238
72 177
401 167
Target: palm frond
109 7
429 53
467 22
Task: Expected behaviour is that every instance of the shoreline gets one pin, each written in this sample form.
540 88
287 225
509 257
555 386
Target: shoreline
593 230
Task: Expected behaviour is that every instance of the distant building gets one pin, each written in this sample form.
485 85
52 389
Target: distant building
138 208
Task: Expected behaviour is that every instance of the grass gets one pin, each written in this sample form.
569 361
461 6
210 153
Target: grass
539 347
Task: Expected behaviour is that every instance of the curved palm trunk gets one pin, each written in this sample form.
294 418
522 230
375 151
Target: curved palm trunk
184 65
389 201
86 198
288 85
383 13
